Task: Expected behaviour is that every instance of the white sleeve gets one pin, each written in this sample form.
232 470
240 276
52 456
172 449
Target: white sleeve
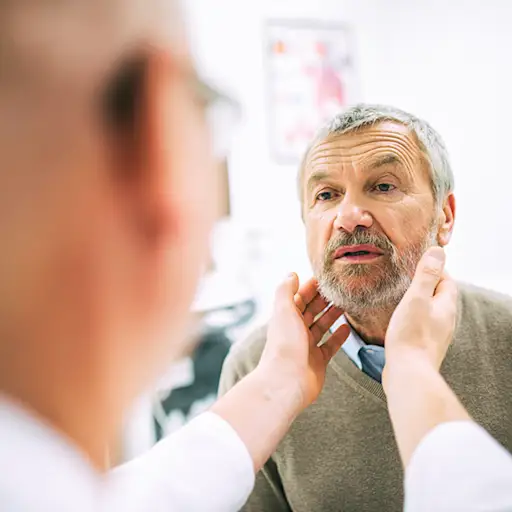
458 466
204 466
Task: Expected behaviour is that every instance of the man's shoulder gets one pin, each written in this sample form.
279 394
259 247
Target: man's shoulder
246 353
485 313
483 300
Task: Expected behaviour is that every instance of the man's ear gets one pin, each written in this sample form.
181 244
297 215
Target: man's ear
138 117
447 220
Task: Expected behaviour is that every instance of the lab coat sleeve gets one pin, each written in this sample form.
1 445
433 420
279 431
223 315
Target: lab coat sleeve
458 466
203 467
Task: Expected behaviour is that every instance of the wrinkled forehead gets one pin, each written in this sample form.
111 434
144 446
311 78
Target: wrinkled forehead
358 149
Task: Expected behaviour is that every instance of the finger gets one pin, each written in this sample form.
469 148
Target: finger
445 298
299 302
314 309
446 286
334 343
286 291
320 327
308 291
428 272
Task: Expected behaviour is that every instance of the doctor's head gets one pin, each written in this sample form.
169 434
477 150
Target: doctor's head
106 182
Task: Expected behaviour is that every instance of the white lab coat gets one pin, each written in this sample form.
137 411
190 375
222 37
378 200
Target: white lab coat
459 467
203 467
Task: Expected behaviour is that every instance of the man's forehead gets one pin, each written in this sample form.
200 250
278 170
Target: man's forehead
363 145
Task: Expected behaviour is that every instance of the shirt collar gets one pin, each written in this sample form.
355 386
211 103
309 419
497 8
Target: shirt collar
40 469
353 343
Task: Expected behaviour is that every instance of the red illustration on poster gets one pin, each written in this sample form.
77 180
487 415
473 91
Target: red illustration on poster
311 77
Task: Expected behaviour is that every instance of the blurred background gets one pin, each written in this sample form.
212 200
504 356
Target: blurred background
292 63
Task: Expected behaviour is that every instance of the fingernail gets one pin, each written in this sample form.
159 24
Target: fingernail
435 258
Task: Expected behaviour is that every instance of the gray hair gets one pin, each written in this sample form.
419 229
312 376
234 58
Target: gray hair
365 115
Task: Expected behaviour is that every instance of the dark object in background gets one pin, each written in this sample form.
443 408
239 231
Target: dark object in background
207 364
183 403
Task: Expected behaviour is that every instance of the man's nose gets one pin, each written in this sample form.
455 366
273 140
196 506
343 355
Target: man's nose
350 216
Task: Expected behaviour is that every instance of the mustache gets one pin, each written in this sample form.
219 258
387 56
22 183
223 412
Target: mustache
359 237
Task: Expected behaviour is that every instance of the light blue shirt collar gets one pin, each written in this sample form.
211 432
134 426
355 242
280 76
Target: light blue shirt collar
353 343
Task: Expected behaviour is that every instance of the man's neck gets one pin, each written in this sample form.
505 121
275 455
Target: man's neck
371 326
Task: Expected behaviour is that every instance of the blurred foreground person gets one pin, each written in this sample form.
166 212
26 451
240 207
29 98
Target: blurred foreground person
106 191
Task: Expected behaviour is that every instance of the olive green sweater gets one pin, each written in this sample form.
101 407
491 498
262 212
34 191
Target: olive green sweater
340 454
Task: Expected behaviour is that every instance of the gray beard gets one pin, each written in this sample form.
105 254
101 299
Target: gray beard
360 289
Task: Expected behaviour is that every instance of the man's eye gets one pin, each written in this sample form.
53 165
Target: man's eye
385 187
326 195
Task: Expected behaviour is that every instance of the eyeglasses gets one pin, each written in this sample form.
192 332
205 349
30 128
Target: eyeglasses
222 113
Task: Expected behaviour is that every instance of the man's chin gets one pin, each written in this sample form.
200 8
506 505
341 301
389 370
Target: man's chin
358 283
342 291
357 295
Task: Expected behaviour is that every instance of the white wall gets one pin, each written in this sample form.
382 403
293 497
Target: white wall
447 61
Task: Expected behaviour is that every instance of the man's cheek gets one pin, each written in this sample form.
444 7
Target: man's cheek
315 244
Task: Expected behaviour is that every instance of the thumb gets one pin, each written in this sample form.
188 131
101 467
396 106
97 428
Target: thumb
446 295
287 289
429 271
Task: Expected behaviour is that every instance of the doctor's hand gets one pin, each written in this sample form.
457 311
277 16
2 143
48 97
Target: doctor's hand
293 335
422 325
291 373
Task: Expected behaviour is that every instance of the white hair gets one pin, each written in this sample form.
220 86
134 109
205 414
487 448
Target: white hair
365 115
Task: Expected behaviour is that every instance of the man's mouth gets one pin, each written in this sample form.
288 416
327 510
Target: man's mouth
358 253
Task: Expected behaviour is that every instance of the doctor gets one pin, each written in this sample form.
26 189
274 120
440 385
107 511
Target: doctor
106 196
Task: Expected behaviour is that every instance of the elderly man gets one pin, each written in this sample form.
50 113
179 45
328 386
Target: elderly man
376 190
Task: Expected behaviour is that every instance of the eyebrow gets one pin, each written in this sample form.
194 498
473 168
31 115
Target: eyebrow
316 177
